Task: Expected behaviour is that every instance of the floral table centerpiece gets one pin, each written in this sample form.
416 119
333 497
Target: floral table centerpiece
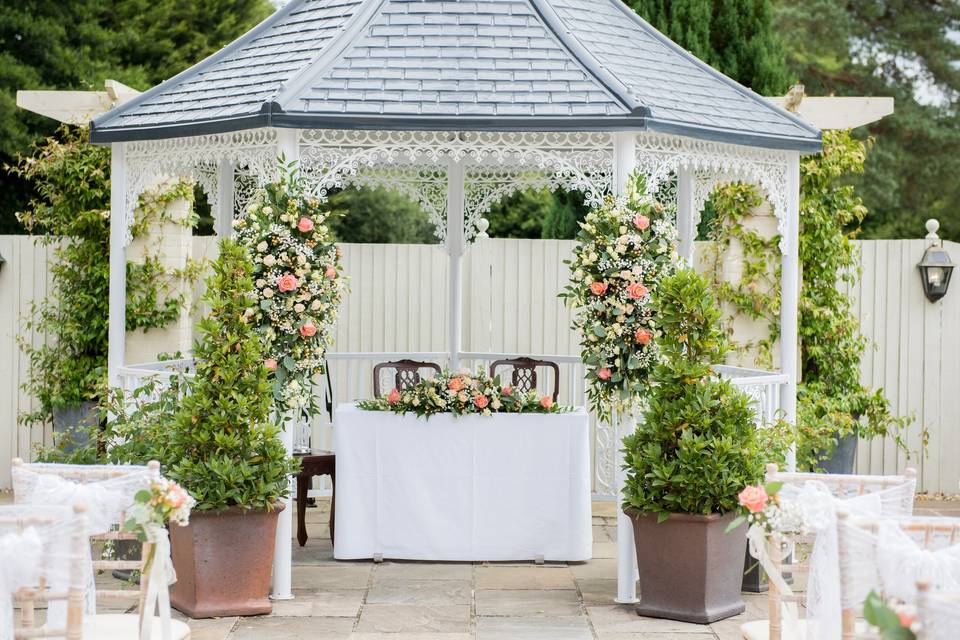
462 393
298 285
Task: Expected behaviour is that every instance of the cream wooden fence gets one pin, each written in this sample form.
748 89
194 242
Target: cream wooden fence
398 304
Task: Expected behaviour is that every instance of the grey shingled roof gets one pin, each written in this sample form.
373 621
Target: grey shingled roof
505 65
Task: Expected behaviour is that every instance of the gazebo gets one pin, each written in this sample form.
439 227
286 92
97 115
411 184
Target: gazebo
457 104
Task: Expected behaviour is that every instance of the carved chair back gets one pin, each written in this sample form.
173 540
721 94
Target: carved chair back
524 374
407 373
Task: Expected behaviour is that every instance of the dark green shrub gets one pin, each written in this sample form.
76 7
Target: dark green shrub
697 445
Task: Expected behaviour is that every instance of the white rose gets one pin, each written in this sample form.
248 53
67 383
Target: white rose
269 260
299 308
261 283
268 293
268 210
262 246
315 305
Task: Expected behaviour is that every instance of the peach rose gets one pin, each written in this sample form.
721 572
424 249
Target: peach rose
270 364
906 618
507 390
287 282
308 330
643 336
481 401
641 222
598 288
394 397
546 402
175 497
331 272
637 291
604 373
305 225
753 498
456 384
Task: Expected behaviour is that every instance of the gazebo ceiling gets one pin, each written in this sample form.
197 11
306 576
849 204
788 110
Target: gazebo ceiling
477 65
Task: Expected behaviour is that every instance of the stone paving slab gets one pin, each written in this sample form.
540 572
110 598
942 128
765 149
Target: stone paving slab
315 602
423 571
404 591
526 628
524 577
293 629
620 618
332 577
410 618
527 602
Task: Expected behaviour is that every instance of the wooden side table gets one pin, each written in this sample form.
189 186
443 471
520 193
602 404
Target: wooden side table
316 463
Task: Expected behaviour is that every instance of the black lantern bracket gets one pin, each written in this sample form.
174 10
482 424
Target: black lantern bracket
936 268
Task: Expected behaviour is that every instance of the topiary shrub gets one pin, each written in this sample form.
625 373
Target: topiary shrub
697 446
223 440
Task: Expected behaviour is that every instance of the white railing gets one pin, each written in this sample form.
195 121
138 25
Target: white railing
350 378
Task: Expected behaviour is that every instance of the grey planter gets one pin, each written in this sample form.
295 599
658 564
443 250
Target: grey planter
843 457
74 419
690 569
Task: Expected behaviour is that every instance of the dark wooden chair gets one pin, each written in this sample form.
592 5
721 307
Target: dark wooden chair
315 463
407 374
524 375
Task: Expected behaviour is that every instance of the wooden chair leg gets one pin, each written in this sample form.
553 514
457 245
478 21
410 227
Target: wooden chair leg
333 504
303 482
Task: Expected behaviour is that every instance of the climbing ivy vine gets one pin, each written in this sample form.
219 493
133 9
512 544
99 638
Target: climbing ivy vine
832 403
71 213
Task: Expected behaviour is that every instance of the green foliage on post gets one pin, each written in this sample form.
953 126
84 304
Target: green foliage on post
226 446
832 401
72 214
697 446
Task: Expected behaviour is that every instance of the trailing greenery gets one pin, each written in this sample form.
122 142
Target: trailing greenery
832 402
72 214
756 294
227 448
697 445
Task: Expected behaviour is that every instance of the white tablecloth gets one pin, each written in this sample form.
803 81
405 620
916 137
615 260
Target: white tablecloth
503 487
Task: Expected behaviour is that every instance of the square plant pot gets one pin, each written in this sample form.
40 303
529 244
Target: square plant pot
223 562
690 569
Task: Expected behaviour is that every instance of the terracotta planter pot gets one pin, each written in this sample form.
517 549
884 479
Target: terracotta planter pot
690 570
223 562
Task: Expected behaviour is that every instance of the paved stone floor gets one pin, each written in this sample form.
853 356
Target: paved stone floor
453 601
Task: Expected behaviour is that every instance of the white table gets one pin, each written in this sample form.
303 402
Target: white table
502 487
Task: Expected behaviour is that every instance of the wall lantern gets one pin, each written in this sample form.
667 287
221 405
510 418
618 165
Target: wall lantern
936 267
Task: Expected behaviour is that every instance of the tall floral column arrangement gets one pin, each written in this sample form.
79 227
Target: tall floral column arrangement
625 248
298 286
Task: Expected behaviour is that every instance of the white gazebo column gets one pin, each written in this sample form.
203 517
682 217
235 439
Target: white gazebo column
288 147
117 317
686 212
790 299
455 250
624 162
223 216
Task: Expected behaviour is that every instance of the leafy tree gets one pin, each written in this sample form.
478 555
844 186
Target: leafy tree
697 446
734 36
378 216
51 44
906 49
227 448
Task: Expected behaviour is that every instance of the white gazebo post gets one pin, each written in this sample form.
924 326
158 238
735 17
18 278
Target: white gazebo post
686 231
624 162
455 249
117 317
790 299
288 148
223 216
